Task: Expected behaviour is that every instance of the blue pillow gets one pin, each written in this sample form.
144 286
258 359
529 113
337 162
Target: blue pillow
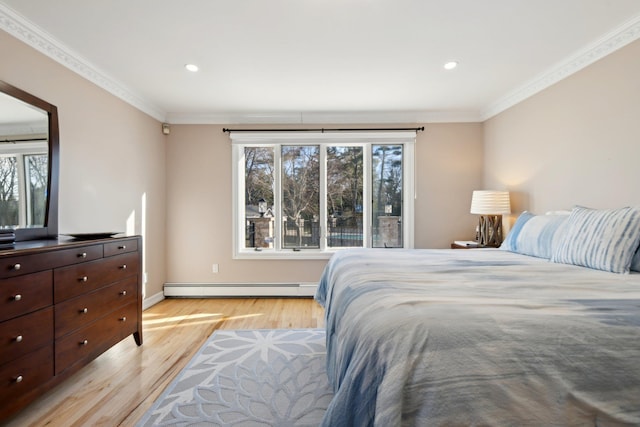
537 235
604 239
509 243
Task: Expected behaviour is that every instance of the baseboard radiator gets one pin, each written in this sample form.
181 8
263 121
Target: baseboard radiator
203 290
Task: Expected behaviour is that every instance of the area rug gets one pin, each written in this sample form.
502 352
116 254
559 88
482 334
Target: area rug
249 378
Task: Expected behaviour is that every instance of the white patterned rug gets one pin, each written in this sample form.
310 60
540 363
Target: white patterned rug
249 378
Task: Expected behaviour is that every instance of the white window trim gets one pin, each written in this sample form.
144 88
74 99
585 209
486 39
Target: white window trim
240 139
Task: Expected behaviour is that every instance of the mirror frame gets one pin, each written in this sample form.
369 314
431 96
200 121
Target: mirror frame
50 227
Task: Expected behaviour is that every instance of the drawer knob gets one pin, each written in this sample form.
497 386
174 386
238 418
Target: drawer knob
123 293
123 319
123 266
17 297
19 338
19 379
84 310
84 342
122 247
82 255
16 267
83 279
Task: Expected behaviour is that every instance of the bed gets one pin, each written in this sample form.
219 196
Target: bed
489 336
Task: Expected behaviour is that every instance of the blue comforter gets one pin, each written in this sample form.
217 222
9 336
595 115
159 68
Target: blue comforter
478 337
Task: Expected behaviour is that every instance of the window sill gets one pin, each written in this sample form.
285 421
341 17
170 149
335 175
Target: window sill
303 254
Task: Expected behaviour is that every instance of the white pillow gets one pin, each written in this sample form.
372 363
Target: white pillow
560 212
604 239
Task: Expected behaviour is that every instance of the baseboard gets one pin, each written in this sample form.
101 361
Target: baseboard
152 300
201 290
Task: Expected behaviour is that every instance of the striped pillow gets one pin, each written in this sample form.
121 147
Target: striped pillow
538 236
600 239
535 234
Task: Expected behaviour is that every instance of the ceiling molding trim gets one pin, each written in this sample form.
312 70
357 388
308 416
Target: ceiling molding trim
605 45
326 117
29 33
232 118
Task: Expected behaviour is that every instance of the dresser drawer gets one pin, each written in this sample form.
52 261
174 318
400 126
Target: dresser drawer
25 374
81 278
23 334
23 264
120 247
89 342
76 312
24 294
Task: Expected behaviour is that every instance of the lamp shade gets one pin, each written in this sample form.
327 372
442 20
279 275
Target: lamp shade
488 202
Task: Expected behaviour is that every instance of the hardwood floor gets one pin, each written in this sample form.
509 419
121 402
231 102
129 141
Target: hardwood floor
119 386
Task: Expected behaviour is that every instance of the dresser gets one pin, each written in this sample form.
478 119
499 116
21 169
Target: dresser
62 304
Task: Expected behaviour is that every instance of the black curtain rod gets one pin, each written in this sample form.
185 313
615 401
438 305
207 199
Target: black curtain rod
323 130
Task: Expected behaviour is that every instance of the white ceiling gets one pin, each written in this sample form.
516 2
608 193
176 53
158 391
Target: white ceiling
296 61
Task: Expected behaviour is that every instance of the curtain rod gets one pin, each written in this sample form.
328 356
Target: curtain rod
323 130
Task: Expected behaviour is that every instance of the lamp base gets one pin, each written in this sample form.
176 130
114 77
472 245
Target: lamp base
490 231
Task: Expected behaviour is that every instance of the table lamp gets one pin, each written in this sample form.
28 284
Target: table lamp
490 205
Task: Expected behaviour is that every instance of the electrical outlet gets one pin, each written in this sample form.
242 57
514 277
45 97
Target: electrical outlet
214 268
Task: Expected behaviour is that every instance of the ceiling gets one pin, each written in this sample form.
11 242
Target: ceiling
323 61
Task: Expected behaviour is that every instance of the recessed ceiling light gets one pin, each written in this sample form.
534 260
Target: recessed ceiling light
450 65
191 67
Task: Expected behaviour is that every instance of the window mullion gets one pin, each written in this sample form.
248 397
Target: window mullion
277 198
367 197
409 194
322 217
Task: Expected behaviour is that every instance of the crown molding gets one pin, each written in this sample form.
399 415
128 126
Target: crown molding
337 117
27 32
610 42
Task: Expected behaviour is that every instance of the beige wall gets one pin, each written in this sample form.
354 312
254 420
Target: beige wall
577 142
449 160
112 156
199 200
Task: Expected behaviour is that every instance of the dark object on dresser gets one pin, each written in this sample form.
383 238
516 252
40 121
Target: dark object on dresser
62 304
7 238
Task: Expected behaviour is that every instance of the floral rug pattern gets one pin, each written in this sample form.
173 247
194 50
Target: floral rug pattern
249 378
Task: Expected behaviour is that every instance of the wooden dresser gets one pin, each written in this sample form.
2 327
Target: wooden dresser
62 304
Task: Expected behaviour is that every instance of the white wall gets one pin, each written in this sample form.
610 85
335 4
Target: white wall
577 142
112 156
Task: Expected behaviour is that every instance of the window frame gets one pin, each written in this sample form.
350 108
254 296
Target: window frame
240 140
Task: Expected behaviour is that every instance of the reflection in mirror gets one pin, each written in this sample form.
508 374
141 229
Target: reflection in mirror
28 164
23 163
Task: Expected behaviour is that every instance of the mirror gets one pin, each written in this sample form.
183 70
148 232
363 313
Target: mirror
29 158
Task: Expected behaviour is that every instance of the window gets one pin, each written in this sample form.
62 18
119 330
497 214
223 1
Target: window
23 184
305 195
